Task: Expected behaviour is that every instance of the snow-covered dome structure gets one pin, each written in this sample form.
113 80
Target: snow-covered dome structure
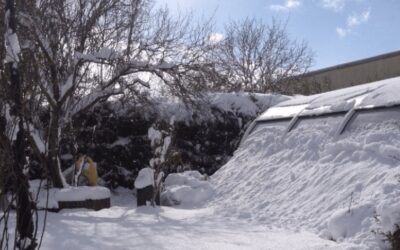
373 98
327 163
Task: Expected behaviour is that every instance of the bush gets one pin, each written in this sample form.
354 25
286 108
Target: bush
393 238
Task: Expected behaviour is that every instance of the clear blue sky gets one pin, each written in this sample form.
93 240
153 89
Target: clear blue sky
338 31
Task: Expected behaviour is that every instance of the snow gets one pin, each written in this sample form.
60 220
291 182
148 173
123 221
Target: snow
67 85
389 211
187 189
243 104
350 221
87 57
105 53
340 186
281 112
63 180
145 178
376 94
82 193
328 182
187 177
12 47
124 226
154 136
165 147
43 197
67 157
37 138
25 243
166 65
49 197
121 141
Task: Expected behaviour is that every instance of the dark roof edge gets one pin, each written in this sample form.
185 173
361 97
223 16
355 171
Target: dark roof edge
353 63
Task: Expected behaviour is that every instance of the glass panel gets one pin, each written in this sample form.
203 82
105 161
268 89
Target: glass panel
376 134
326 123
264 129
381 118
277 126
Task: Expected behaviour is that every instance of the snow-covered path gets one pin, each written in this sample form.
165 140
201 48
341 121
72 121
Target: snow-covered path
166 228
124 226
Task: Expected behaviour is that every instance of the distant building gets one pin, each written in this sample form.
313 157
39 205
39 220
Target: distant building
353 73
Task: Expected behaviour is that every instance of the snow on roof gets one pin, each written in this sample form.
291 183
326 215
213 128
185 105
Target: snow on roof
383 93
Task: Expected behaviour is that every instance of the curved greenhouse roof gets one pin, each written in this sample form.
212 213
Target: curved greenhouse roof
384 93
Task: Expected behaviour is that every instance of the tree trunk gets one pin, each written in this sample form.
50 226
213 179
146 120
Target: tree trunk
53 162
20 185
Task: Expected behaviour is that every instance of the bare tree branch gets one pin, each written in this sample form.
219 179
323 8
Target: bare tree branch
257 57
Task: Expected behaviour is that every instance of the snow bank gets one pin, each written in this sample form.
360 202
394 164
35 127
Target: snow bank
188 189
341 186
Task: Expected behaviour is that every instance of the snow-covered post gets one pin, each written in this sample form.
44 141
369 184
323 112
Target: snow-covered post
144 185
25 226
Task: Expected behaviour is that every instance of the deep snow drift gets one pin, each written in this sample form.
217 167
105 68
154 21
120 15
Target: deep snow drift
342 186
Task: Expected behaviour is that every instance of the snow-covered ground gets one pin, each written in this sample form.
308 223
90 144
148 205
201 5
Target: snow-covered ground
123 226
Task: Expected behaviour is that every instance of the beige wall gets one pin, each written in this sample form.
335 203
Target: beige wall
345 75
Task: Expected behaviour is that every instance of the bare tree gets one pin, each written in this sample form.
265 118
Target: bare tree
87 51
256 57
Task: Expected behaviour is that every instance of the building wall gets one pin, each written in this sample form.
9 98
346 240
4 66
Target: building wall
353 73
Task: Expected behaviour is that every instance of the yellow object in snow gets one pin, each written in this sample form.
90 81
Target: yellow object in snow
87 168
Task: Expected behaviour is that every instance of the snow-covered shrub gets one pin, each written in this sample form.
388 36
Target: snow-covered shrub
204 136
188 189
